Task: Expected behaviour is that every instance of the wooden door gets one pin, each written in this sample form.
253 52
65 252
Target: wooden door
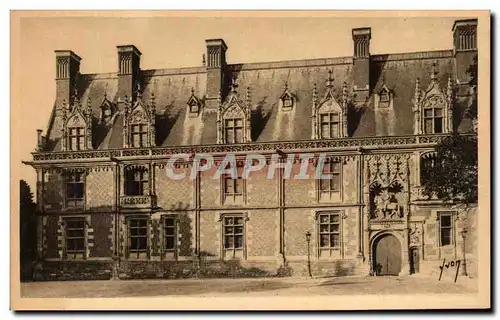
387 256
414 261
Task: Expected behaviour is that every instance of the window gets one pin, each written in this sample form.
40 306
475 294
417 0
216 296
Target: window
75 237
329 230
329 123
384 96
433 120
169 234
137 182
331 185
233 232
445 228
137 237
75 190
427 162
233 188
287 102
233 130
139 134
76 139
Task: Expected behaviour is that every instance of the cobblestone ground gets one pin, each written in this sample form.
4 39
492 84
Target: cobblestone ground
234 287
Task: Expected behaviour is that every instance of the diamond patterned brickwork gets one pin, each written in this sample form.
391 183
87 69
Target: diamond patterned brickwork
262 233
100 193
101 223
210 234
350 233
173 194
51 241
53 196
260 190
299 192
297 223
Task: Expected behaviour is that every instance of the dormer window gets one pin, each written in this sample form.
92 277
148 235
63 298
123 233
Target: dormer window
76 139
287 99
139 123
139 135
330 127
383 99
233 130
234 118
194 105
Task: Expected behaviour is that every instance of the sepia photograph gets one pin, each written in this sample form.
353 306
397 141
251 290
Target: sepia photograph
250 160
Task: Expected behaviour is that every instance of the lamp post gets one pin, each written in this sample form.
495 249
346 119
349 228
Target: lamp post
464 236
308 239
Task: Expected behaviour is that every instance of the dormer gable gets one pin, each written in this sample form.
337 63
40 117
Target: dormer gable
139 122
384 97
433 107
234 118
287 99
77 125
329 118
107 110
194 105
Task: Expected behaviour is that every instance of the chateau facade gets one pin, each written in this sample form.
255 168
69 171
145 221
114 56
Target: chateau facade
107 207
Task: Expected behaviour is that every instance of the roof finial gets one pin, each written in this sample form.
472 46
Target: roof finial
434 72
75 95
344 90
106 91
286 85
138 90
417 90
192 91
248 98
203 60
234 85
329 82
315 93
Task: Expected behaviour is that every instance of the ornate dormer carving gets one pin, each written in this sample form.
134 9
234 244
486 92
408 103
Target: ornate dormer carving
139 122
234 117
329 115
384 98
108 110
433 108
287 99
194 105
77 125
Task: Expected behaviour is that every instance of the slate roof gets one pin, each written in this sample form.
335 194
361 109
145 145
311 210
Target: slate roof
172 89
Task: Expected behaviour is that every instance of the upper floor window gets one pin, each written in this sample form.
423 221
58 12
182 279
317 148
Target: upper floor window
433 120
445 228
75 190
329 125
233 129
427 162
139 135
332 184
136 182
75 242
138 237
76 139
233 188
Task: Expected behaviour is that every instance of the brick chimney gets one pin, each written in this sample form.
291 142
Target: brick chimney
129 60
215 64
464 47
67 69
361 64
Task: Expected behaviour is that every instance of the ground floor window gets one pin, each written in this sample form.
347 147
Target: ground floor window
445 228
169 233
233 235
329 233
138 237
75 237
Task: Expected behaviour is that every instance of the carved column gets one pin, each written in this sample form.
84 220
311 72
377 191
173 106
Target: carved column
366 215
359 220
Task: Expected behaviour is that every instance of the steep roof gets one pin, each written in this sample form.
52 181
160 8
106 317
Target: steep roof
173 87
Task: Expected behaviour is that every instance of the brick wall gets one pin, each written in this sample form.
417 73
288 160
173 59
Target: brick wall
99 190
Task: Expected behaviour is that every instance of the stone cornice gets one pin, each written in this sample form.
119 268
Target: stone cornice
348 145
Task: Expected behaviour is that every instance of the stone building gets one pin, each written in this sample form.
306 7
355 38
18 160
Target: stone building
108 209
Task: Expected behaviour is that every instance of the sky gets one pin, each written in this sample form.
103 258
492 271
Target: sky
167 42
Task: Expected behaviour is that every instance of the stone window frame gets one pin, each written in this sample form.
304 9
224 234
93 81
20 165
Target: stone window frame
453 215
233 253
234 129
140 254
80 137
142 133
164 250
330 122
233 198
81 255
433 119
332 194
65 190
144 183
423 157
331 252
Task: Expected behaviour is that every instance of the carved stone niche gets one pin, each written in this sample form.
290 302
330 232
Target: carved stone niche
386 202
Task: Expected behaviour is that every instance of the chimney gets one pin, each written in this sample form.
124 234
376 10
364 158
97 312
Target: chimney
361 64
215 64
67 69
129 59
464 48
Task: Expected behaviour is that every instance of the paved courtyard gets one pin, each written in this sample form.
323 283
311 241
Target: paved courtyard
246 287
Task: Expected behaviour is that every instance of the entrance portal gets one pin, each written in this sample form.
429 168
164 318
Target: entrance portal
387 256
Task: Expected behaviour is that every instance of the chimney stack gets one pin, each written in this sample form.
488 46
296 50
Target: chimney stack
67 69
464 47
216 65
361 64
129 60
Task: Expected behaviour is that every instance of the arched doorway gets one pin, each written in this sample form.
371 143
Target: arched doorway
387 256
